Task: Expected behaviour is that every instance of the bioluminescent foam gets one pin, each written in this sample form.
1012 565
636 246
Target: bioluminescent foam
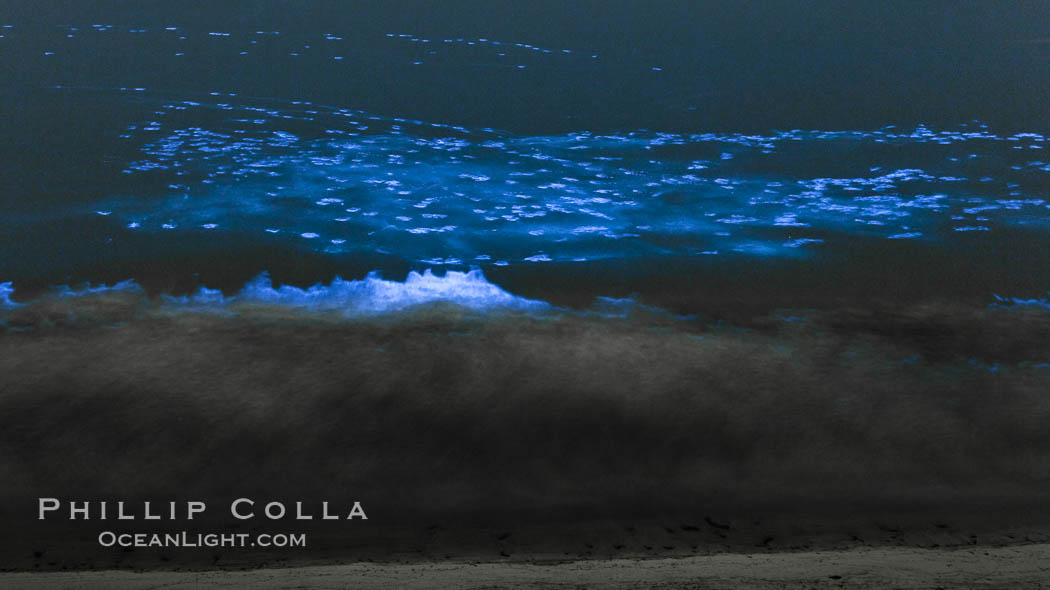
375 295
298 173
1020 302
6 290
370 296
342 181
123 286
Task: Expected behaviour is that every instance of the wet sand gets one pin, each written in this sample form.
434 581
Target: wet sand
1023 566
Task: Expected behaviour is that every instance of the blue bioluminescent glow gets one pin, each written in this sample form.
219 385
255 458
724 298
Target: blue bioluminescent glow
347 181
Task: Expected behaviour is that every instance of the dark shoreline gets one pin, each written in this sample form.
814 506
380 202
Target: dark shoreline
1014 567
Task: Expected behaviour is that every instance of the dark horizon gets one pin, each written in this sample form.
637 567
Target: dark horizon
724 66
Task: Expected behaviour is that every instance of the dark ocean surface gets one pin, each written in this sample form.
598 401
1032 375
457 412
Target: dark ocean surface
685 153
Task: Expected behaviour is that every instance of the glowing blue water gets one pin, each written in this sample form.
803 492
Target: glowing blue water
374 295
342 181
183 153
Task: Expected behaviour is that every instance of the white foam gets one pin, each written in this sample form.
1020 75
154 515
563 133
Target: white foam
374 295
369 296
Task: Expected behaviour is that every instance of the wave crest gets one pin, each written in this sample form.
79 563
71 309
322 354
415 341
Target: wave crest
370 296
375 295
6 290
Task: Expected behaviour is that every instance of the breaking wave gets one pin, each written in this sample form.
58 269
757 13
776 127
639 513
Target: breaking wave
376 295
370 296
1007 302
6 290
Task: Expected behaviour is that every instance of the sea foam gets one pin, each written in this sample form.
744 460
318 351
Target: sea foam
1007 302
375 295
6 290
372 295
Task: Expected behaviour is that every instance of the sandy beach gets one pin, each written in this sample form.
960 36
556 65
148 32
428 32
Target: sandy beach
1023 566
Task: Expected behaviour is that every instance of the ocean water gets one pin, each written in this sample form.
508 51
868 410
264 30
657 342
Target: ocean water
846 156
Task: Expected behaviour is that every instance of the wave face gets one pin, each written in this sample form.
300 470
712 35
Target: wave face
6 290
915 416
